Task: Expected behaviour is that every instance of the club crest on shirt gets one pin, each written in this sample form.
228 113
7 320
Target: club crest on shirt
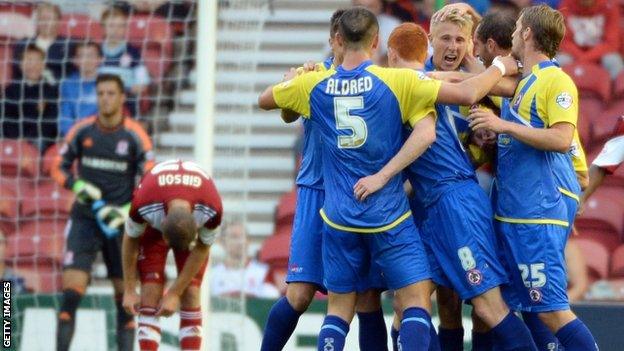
535 295
122 148
564 100
474 277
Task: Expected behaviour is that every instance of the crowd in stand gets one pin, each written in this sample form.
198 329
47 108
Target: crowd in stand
53 77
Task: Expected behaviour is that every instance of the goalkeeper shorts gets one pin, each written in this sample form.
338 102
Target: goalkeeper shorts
84 240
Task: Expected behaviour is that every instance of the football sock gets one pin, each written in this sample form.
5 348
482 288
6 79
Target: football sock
67 319
543 337
451 339
394 334
415 330
190 329
125 326
148 332
373 335
512 334
333 334
280 325
575 336
481 341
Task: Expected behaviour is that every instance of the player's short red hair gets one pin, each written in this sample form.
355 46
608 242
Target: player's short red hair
410 42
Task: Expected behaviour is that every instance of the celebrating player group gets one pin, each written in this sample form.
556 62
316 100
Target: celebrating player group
388 192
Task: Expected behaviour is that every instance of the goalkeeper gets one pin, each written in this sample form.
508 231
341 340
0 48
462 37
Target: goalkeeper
111 152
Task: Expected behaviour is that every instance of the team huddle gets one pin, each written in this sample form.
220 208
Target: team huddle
388 192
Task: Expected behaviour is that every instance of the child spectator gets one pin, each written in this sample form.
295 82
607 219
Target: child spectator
121 58
592 34
30 110
78 96
55 47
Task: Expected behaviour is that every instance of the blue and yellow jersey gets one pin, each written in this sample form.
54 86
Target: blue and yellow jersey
444 163
359 115
311 172
566 167
528 190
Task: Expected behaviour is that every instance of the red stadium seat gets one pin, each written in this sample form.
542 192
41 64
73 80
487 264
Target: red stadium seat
6 68
39 278
37 241
609 239
590 79
25 8
9 206
154 36
47 200
618 86
80 26
602 125
15 26
275 250
596 257
588 108
617 263
286 208
604 211
283 229
18 158
49 156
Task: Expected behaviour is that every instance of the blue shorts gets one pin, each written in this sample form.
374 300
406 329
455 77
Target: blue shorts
305 263
461 245
398 252
572 206
537 269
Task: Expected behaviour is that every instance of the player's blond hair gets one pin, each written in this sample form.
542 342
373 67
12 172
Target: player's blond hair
463 21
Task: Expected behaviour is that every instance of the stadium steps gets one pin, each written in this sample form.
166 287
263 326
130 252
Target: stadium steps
253 159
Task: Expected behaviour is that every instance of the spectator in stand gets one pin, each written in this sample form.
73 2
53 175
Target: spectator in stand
173 11
592 34
29 108
238 273
121 58
387 23
78 95
55 47
609 159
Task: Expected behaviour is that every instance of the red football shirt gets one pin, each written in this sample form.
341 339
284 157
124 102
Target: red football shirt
171 180
612 154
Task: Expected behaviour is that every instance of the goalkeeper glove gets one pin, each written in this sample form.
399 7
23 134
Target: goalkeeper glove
86 192
110 218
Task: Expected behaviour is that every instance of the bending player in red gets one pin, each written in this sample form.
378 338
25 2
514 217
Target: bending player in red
176 206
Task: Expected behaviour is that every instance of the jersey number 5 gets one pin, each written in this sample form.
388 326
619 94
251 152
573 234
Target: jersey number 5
344 120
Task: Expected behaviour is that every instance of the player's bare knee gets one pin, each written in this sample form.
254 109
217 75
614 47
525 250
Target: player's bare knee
75 279
414 295
190 298
556 319
151 294
300 295
490 307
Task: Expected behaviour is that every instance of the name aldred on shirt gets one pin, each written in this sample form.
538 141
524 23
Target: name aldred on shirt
348 86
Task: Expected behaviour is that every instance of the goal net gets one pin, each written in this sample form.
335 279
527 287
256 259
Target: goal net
40 104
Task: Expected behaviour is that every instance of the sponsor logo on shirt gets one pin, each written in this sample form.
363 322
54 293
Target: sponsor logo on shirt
564 100
104 164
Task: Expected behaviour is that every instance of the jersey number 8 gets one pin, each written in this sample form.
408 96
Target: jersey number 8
344 120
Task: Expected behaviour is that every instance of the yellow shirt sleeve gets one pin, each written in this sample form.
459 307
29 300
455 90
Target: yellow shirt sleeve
579 161
415 92
294 94
562 101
